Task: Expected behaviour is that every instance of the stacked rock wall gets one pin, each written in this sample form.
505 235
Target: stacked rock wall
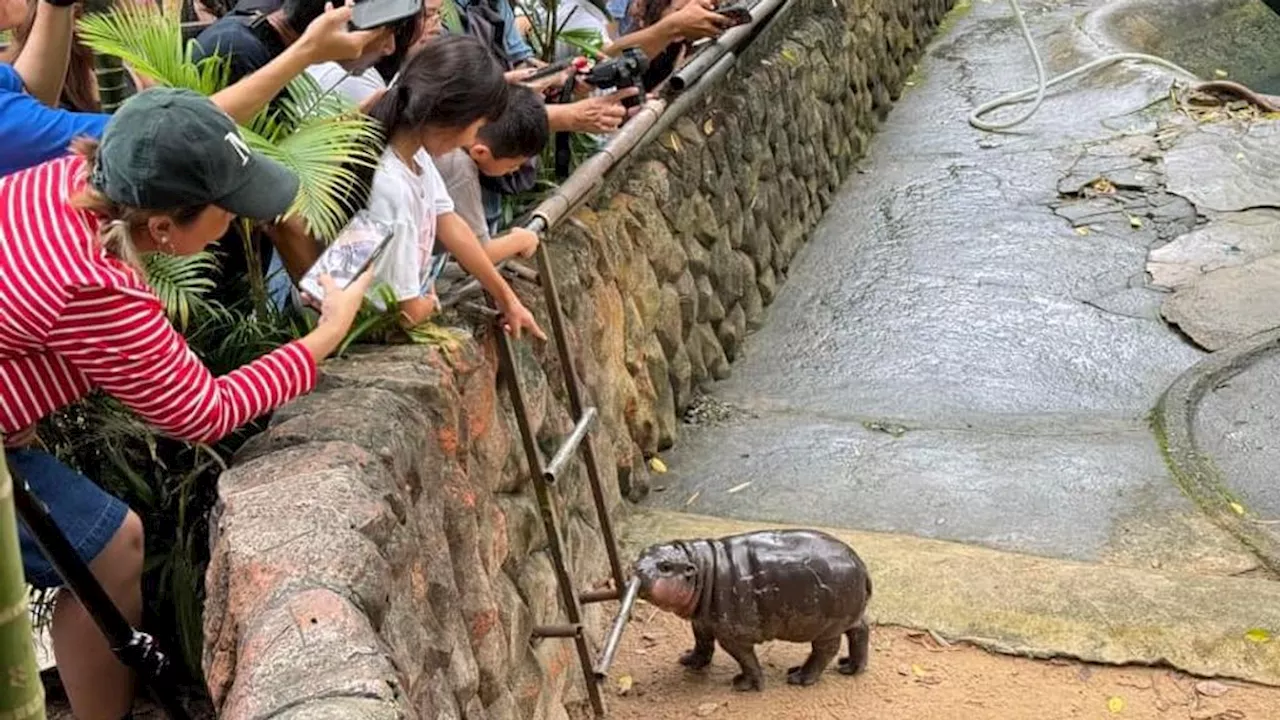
377 553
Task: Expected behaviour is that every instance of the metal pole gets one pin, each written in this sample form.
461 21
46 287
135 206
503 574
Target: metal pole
577 407
615 634
133 648
555 547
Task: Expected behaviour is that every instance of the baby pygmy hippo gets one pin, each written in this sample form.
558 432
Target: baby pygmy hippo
794 585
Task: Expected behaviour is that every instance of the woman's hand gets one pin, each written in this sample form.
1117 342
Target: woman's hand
696 20
337 312
329 37
516 318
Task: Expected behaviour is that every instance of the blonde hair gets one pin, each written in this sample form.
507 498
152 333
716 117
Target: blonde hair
120 222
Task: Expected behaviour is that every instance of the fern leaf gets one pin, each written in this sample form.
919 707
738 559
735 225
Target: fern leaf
151 43
182 283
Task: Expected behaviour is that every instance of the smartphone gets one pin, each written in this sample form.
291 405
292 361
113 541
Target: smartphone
360 244
373 14
547 71
738 14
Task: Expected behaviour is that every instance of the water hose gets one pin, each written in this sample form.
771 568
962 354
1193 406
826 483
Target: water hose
1043 83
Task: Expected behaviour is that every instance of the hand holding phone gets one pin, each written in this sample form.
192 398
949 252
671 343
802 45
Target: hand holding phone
373 14
356 249
737 14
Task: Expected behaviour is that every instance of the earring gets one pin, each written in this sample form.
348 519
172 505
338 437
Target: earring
164 240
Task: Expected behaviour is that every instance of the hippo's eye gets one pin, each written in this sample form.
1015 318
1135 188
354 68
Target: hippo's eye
664 567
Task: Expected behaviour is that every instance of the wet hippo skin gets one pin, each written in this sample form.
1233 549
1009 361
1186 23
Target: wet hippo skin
741 590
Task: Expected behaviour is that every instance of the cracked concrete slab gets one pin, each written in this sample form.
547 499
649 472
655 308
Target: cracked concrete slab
1237 423
950 291
1229 240
1227 167
1226 306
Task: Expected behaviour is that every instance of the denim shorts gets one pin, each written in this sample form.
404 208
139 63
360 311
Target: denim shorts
88 515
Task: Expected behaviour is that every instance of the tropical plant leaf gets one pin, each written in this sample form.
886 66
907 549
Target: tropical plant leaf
322 153
151 43
451 17
585 40
182 283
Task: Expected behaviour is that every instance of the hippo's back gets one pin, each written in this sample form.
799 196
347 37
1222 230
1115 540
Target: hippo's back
795 585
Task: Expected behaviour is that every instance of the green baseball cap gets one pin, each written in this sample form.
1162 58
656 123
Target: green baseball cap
167 148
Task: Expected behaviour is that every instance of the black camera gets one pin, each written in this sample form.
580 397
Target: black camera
626 70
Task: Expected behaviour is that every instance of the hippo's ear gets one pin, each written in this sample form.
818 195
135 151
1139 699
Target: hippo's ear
690 571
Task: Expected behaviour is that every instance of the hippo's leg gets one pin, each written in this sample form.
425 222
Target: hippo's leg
859 638
703 648
751 677
824 651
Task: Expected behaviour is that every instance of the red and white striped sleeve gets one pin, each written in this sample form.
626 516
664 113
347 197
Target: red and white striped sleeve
123 343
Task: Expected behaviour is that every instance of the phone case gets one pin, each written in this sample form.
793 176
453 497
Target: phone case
347 254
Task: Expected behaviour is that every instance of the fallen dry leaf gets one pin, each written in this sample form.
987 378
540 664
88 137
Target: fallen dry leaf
1082 230
1211 688
1258 635
708 127
1115 704
1237 508
706 709
624 684
1135 222
692 499
918 671
740 487
656 465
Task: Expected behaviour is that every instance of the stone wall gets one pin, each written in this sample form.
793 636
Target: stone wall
377 553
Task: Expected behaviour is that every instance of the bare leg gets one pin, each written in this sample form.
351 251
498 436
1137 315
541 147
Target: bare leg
824 651
99 687
704 647
859 640
751 677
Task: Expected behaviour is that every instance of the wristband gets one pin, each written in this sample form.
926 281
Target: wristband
61 3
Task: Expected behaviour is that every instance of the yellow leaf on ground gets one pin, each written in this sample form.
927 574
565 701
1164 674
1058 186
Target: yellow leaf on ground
1258 635
624 684
918 671
1220 73
1082 230
1237 508
1135 221
656 465
709 126
1115 704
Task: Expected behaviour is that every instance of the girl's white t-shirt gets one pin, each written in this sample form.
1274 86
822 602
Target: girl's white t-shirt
409 203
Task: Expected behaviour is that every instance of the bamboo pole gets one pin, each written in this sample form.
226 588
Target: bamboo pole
21 693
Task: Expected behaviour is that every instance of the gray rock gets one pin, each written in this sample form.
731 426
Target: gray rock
1228 305
1227 241
1226 167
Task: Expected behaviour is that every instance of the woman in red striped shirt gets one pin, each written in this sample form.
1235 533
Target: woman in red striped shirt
76 314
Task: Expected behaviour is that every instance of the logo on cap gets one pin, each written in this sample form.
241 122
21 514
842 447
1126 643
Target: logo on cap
237 143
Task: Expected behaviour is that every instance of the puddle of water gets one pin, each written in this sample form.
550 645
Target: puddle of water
1243 41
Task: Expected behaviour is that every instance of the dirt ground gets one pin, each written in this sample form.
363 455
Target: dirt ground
911 677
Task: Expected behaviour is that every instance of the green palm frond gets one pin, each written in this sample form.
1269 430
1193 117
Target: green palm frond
451 17
586 40
151 43
322 153
182 283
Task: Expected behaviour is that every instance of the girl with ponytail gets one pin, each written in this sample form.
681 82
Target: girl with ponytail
443 95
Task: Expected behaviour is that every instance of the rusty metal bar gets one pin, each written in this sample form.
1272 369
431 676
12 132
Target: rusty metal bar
615 634
570 446
555 543
600 595
556 631
578 409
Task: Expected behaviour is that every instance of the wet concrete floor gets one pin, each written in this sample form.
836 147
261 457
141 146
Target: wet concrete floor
949 358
